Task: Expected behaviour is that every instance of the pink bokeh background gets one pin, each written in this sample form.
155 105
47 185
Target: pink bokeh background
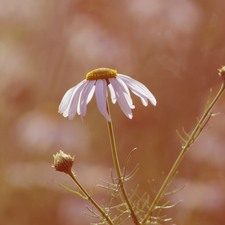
46 47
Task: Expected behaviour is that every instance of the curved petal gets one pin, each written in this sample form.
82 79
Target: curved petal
120 95
80 98
84 97
66 100
112 93
91 93
72 108
138 89
101 93
123 86
126 91
143 100
67 97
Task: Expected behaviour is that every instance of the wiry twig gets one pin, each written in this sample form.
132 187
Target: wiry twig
181 155
174 191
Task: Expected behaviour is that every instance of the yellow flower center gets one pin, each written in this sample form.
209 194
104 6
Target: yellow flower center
101 73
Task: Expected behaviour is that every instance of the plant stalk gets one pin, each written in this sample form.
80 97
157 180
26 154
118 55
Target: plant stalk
90 198
117 167
180 157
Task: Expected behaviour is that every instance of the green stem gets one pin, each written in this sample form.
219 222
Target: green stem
90 198
180 157
117 167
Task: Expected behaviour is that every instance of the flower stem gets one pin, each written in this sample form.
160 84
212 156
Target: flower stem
180 157
117 167
90 198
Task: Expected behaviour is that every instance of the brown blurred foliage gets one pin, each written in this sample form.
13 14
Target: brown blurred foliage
46 47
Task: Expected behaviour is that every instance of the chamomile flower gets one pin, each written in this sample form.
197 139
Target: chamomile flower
76 99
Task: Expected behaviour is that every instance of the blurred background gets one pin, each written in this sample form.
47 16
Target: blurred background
174 47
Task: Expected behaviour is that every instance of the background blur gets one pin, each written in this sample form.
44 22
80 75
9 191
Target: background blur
174 47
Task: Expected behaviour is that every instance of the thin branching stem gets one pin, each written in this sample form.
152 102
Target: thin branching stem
90 198
117 167
180 157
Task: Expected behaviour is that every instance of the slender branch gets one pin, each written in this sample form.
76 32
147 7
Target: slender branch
180 157
106 216
117 167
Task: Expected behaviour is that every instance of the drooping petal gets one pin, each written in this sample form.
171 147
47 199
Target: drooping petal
91 94
143 100
84 97
138 89
66 100
112 93
74 100
67 97
123 103
126 91
80 97
65 112
101 94
123 86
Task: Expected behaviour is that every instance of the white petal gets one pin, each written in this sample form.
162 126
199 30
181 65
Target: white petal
67 97
138 89
80 98
74 100
120 95
143 100
101 93
123 86
126 92
91 93
84 97
65 113
66 100
112 93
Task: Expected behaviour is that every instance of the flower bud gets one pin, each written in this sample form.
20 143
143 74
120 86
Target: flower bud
63 162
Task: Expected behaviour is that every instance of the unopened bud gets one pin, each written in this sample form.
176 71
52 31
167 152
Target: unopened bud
63 162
